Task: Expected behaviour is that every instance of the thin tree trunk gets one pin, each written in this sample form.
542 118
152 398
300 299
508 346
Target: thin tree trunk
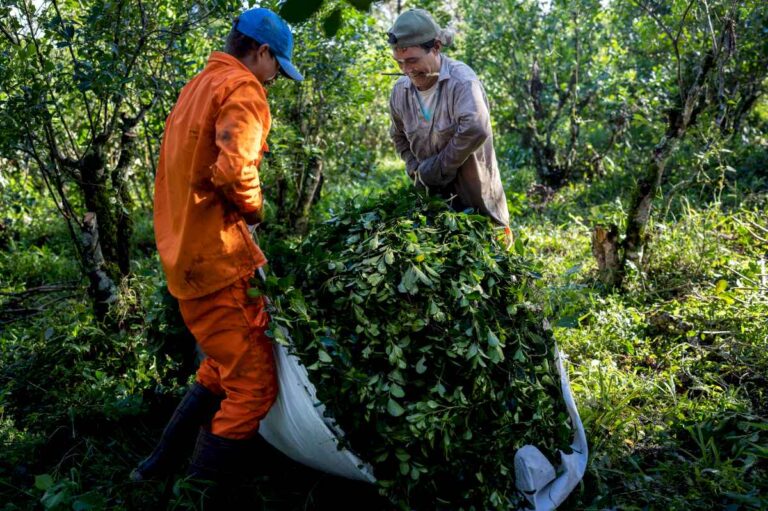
281 185
124 200
642 202
310 188
680 119
102 289
93 185
548 170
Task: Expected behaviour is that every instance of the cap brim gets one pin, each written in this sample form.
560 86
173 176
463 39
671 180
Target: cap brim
289 70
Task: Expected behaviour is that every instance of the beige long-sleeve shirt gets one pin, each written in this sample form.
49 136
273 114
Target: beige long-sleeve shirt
458 131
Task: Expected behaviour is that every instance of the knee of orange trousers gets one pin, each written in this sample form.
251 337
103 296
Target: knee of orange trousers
248 379
248 397
242 411
230 328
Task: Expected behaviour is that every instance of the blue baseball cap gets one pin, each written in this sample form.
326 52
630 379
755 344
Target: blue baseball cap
266 27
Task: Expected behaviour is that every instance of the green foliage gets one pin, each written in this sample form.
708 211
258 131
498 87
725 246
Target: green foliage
317 138
299 10
79 84
424 339
295 11
560 91
669 377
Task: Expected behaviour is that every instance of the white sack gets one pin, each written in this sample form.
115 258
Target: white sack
544 487
296 424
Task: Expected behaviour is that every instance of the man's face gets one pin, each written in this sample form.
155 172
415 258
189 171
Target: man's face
263 64
418 64
272 67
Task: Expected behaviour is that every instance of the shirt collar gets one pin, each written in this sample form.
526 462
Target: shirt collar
445 71
222 58
219 57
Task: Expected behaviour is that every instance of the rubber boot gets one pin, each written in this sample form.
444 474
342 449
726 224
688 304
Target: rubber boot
197 407
220 463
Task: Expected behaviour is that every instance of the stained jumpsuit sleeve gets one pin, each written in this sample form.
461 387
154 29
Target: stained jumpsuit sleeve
240 127
473 129
397 134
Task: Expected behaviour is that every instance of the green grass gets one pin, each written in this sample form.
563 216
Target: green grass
670 377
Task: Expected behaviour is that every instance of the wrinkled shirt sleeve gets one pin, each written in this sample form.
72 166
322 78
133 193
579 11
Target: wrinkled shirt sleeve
473 129
397 134
239 138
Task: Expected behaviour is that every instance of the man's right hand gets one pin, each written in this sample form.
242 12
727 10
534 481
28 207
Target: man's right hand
411 167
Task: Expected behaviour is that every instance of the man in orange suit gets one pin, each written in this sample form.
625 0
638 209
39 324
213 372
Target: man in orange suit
207 192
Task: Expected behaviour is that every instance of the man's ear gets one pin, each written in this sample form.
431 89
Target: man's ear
263 50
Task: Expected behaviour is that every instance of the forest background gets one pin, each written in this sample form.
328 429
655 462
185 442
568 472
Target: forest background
632 137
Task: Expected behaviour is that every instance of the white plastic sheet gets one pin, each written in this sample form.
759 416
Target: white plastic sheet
544 487
296 424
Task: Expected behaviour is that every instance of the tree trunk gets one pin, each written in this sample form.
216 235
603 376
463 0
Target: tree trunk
102 289
281 187
642 202
606 249
680 118
124 201
548 170
309 190
94 186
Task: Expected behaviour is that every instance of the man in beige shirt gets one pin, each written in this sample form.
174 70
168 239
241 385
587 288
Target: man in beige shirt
441 125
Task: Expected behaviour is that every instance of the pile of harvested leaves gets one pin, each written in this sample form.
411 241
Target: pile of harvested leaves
423 338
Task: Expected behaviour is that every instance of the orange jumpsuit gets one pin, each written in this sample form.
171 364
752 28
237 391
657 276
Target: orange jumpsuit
207 179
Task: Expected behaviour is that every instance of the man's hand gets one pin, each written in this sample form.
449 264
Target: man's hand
430 171
411 167
254 217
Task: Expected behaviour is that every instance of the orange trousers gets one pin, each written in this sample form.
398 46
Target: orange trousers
239 363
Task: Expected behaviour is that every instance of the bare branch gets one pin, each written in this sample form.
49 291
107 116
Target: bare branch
57 194
46 288
86 103
564 97
129 68
12 38
682 21
711 28
673 40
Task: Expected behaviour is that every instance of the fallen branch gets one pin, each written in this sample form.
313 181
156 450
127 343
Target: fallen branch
46 288
11 315
758 226
750 231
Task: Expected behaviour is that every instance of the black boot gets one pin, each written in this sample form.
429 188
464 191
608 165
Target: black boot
198 407
221 463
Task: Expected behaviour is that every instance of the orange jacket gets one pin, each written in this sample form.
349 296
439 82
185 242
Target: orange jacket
208 178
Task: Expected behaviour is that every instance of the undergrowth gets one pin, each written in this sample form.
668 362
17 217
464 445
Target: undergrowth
669 376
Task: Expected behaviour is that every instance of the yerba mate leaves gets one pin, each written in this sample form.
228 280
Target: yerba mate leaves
423 338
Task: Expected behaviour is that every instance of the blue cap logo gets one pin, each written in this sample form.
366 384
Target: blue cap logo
266 27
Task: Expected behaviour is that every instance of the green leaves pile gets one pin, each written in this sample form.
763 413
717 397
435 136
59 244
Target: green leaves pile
423 338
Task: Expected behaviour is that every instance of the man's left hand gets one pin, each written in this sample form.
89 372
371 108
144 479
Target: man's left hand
430 171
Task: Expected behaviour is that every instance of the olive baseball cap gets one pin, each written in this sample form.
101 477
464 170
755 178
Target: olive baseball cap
412 28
